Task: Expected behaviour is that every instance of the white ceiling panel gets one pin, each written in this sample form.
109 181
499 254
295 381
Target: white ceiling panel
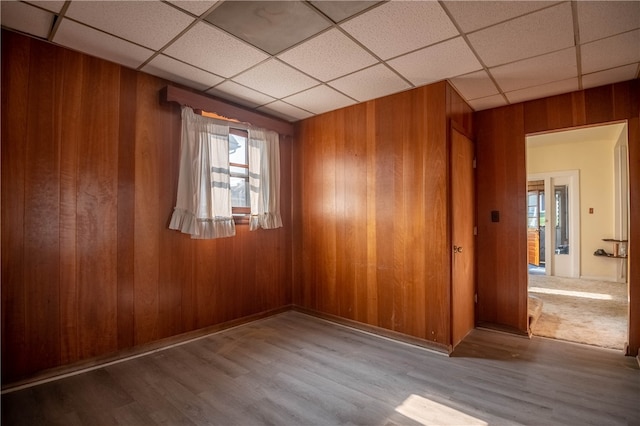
97 43
328 56
319 99
611 52
399 27
171 69
370 83
474 15
240 94
285 111
542 91
325 54
530 35
614 75
599 19
487 102
275 79
340 10
542 69
213 50
150 24
475 85
197 7
448 59
25 18
54 6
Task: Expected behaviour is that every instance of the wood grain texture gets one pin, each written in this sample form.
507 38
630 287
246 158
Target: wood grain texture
463 285
41 214
15 86
374 225
502 269
502 182
296 369
89 177
70 138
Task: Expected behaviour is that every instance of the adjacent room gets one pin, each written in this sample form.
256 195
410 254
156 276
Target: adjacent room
581 281
316 212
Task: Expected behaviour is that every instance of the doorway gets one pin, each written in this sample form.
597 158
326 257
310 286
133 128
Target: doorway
557 227
536 227
574 204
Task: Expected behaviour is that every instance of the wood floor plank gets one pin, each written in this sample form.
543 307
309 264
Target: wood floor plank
294 369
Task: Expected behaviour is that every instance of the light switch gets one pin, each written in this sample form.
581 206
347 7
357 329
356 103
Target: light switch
590 210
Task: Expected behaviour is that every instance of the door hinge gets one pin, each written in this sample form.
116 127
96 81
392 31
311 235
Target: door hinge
475 230
474 163
475 298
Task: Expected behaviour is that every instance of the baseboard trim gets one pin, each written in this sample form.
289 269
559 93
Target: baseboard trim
376 331
84 366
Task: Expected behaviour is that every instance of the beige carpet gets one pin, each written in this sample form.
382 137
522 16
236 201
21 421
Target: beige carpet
583 311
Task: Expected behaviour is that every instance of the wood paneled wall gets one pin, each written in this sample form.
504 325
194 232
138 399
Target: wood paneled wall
502 247
89 177
371 220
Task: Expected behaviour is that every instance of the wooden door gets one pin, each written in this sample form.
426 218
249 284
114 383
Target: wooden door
463 241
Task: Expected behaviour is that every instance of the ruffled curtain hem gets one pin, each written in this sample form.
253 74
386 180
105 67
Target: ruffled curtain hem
265 221
186 222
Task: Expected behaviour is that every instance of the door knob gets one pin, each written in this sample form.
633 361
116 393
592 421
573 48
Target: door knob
457 249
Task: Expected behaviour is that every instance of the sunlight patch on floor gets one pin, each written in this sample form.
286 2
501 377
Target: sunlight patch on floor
427 412
583 294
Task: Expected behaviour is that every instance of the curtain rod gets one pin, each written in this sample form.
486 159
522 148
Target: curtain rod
206 103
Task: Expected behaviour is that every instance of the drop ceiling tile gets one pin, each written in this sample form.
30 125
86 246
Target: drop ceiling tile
240 94
96 43
530 35
475 85
148 23
614 75
285 111
542 69
399 27
214 50
341 10
550 89
487 102
370 83
319 99
197 7
448 59
275 79
27 19
328 56
50 5
611 52
179 72
272 26
474 15
599 19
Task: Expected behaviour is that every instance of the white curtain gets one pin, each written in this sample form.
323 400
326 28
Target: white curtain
203 207
264 179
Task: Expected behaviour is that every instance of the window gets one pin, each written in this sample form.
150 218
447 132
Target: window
239 172
227 176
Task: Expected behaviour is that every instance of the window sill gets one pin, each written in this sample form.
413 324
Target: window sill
241 219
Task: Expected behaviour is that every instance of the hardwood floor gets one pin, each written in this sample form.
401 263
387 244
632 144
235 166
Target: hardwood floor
293 369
